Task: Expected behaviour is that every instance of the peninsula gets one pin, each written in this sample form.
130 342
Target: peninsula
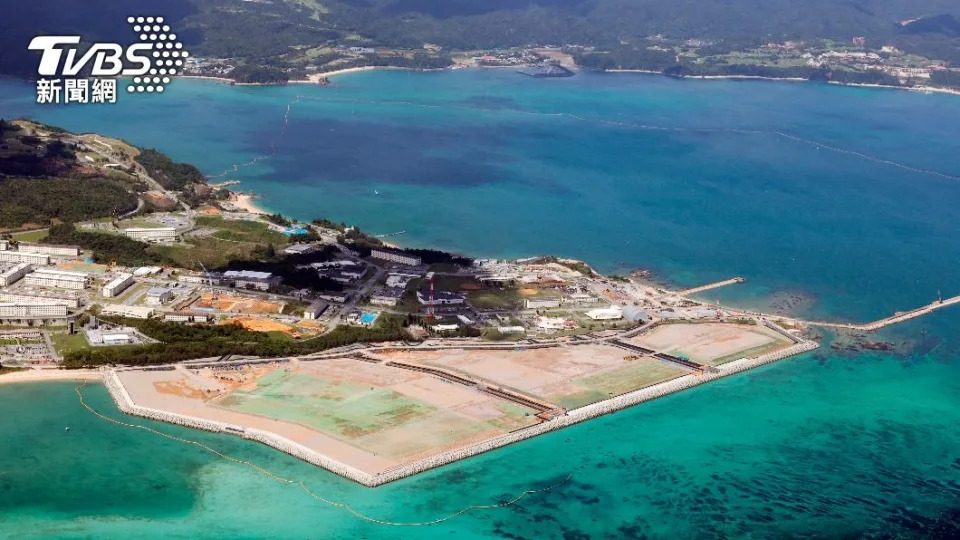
318 339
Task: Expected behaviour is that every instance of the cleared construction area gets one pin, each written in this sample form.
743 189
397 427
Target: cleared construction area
712 344
570 377
367 415
233 303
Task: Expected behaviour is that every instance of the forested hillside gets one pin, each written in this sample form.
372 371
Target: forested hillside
283 32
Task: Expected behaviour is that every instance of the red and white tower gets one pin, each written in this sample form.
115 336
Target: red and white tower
430 311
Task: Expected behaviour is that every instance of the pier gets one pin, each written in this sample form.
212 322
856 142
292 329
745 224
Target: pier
896 318
709 286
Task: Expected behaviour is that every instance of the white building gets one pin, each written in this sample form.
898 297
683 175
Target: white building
152 234
32 310
444 327
145 271
23 297
465 320
117 285
117 339
606 314
399 281
4 245
14 274
396 256
38 259
158 296
45 277
49 249
540 303
136 312
510 329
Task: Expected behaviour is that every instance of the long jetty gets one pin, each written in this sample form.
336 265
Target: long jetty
895 318
865 327
707 287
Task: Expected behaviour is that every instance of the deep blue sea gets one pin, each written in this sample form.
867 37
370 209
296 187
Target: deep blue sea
836 203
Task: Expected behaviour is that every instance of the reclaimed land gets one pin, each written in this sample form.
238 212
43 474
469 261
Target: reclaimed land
382 413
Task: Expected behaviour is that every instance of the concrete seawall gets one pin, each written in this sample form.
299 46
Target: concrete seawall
125 403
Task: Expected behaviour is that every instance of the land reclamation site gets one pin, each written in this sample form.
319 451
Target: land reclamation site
378 413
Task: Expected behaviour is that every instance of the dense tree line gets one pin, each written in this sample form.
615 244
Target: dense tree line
106 248
39 200
169 174
208 341
252 73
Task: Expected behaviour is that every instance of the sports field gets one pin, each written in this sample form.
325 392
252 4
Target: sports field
712 344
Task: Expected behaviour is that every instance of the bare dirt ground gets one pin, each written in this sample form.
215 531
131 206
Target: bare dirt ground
568 376
711 343
238 304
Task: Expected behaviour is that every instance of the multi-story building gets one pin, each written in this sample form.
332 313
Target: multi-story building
397 256
247 279
14 274
49 249
152 234
4 245
117 285
541 303
386 296
38 259
187 317
62 279
24 297
29 311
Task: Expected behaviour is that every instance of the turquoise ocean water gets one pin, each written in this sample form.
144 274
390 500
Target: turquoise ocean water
842 200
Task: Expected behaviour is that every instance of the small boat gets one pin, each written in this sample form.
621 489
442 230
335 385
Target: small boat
67 428
375 192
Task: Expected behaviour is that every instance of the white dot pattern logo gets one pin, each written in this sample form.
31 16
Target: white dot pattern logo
165 46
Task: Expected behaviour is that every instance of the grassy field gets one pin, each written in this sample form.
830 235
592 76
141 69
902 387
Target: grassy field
495 299
31 236
233 240
65 343
241 231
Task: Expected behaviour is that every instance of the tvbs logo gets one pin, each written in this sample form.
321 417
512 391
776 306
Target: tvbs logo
150 62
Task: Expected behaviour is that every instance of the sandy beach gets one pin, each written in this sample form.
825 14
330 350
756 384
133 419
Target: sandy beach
41 375
246 202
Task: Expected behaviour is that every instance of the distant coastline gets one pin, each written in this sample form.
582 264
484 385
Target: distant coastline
318 78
